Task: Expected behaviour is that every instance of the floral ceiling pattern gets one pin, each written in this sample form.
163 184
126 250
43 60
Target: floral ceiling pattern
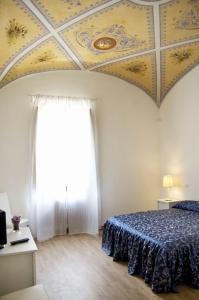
150 44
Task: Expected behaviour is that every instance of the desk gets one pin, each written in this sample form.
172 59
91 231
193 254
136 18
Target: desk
17 263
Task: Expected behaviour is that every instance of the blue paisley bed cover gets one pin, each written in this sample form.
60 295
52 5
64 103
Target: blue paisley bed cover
161 246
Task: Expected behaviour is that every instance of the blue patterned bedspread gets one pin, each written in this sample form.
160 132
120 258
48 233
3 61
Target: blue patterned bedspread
162 246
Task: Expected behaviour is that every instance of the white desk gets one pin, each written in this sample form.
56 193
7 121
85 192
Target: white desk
17 263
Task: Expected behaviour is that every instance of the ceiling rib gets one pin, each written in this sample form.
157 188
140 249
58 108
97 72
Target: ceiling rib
141 2
55 33
180 44
157 47
86 14
121 58
52 31
146 2
21 54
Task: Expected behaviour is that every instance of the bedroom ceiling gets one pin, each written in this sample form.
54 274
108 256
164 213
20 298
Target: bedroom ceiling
151 44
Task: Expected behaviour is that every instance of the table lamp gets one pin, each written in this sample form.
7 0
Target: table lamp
168 183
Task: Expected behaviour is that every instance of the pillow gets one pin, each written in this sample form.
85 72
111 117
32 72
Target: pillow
188 205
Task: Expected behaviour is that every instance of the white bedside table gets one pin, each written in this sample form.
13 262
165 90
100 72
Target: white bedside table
17 263
166 203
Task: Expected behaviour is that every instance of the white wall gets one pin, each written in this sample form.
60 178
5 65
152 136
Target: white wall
127 128
179 133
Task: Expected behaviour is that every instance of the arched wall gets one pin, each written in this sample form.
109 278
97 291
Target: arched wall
127 122
179 136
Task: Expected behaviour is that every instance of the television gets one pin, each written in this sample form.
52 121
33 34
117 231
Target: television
3 233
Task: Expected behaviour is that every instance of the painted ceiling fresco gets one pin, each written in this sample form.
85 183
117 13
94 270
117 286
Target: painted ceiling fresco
150 44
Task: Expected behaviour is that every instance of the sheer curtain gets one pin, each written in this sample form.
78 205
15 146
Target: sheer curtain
64 189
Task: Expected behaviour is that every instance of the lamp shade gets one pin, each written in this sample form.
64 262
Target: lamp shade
167 181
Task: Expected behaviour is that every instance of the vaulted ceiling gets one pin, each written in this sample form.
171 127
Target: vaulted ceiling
151 44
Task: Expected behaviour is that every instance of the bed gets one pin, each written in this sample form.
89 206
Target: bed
161 246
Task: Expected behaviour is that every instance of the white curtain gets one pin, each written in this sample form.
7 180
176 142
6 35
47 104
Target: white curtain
64 190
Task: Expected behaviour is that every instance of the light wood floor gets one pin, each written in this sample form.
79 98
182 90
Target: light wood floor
75 268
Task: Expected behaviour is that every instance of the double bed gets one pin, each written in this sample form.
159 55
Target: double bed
161 246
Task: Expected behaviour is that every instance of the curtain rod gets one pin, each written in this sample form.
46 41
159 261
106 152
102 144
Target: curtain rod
68 97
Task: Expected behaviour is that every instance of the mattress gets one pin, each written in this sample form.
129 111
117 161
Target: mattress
161 246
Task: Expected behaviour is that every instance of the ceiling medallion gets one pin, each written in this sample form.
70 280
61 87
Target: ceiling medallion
105 43
112 37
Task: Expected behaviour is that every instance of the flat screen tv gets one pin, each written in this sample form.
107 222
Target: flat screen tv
3 234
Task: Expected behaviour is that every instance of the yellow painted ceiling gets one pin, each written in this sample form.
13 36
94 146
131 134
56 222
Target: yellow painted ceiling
139 70
150 44
176 62
47 56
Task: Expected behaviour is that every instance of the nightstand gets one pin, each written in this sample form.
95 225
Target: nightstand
166 203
